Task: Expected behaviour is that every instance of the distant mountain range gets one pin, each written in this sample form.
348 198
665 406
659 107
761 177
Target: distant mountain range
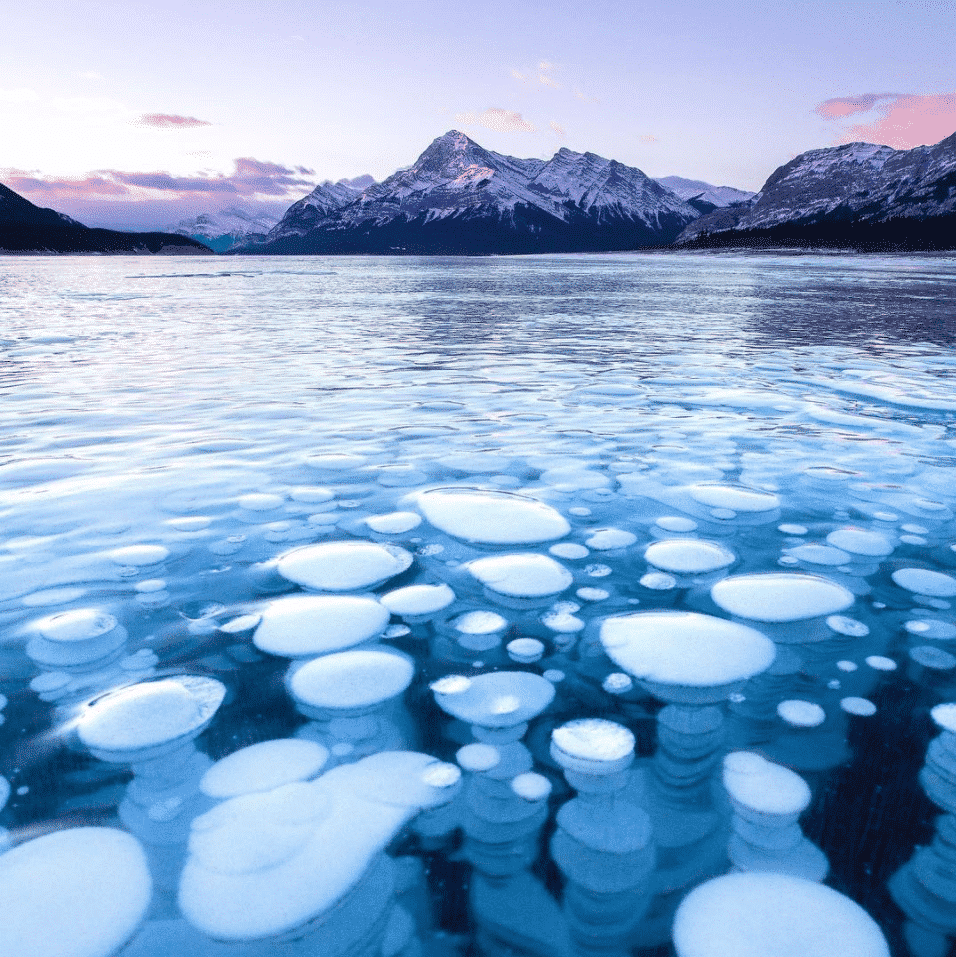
859 196
459 198
25 227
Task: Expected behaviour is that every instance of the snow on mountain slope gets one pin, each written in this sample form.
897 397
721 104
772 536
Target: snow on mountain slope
225 228
718 196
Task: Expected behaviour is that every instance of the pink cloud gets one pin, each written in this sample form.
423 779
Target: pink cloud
169 121
906 119
839 106
49 190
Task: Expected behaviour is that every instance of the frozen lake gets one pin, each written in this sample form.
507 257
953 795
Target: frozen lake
171 429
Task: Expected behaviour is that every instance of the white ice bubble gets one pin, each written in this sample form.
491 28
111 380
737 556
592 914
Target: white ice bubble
658 581
343 566
814 554
847 626
531 786
264 766
238 625
261 502
78 892
789 529
418 599
801 714
351 680
933 628
569 550
311 494
761 785
607 539
493 518
592 594
881 663
592 745
521 576
617 683
688 556
847 666
139 555
922 581
862 707
525 650
934 658
480 623
780 597
860 541
394 523
734 498
499 699
759 914
676 523
945 716
299 626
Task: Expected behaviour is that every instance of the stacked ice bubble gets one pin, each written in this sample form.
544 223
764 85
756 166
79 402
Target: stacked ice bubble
358 698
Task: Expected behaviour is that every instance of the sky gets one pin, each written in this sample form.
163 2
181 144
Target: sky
140 114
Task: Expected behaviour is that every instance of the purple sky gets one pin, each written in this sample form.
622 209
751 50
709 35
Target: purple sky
141 114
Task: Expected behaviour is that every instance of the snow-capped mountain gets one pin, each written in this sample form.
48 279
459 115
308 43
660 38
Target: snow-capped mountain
858 195
223 230
461 198
705 196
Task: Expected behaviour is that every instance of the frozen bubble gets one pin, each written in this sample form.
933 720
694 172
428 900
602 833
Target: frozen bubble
227 546
579 511
299 626
493 518
394 523
50 681
597 570
945 716
499 699
780 597
934 658
658 581
569 550
760 913
859 541
723 513
150 584
418 599
242 623
685 648
261 502
935 629
335 462
761 785
343 566
531 786
688 556
676 523
139 555
525 650
264 766
397 631
912 529
441 775
451 685
311 494
78 892
521 576
925 582
592 594
881 663
847 626
554 675
592 744
847 665
801 714
80 625
607 539
562 622
913 540
858 706
480 623
617 683
789 529
733 497
819 555
52 596
350 680
189 523
150 714
478 757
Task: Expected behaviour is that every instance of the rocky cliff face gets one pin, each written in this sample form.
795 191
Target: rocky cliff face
857 195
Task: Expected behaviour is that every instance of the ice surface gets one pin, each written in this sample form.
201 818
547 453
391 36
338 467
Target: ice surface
299 626
685 648
493 518
759 914
521 576
780 597
343 566
79 892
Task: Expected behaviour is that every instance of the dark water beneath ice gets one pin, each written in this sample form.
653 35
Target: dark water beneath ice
141 400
